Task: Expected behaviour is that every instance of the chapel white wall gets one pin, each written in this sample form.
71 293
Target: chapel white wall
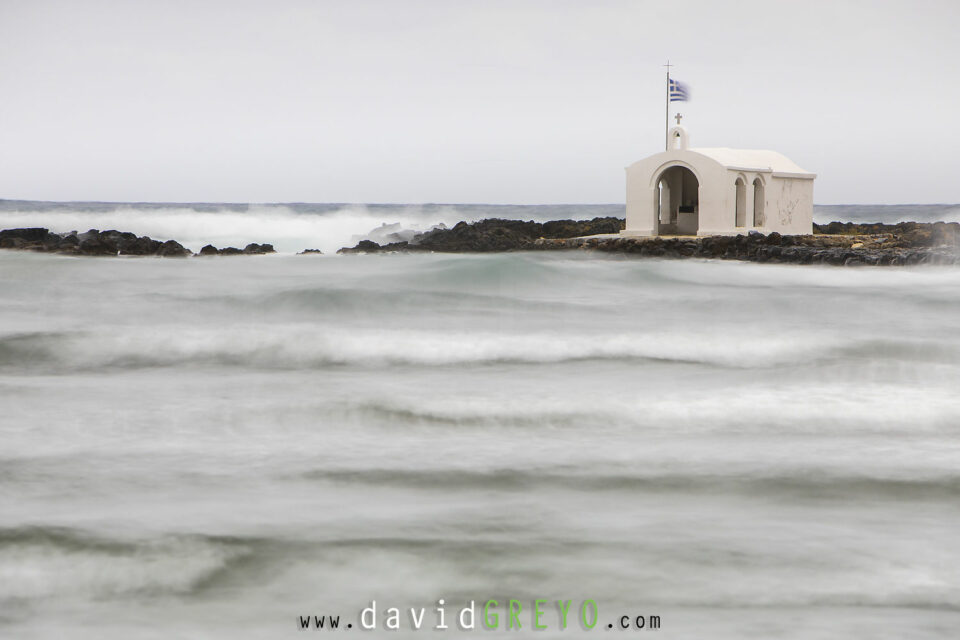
788 200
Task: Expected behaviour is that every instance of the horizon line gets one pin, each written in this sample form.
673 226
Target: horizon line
421 204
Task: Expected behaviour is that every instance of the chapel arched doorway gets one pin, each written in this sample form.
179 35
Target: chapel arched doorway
678 202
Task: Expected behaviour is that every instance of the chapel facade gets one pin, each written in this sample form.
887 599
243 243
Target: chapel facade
717 191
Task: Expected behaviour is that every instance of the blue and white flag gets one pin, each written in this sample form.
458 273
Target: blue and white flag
679 92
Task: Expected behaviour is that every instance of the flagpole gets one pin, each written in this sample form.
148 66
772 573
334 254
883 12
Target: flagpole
666 119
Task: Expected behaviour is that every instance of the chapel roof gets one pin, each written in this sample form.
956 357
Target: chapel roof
751 159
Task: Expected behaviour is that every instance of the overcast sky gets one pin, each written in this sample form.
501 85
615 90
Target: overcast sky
517 101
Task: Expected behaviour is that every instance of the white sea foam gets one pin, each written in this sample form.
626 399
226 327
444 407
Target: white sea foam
290 228
286 229
35 565
309 346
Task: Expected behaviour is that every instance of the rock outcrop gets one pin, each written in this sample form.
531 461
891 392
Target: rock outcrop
907 234
493 234
836 243
251 249
90 243
937 243
111 243
258 249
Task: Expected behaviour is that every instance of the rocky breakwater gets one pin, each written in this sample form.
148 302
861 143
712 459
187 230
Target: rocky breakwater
491 235
842 244
252 249
112 243
837 243
90 243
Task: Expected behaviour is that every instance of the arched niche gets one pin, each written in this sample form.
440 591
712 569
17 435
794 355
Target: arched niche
759 200
741 202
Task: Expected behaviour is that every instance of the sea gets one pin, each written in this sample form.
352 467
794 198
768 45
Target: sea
225 447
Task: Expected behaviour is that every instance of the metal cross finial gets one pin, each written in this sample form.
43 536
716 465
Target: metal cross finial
668 65
678 116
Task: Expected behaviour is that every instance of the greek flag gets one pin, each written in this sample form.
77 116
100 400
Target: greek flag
679 92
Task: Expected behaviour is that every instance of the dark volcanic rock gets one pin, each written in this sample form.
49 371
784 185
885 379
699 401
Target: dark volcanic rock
493 234
89 243
144 246
364 246
118 240
907 234
11 242
840 250
33 234
110 243
68 241
92 234
838 243
575 228
96 247
249 250
173 249
483 236
254 248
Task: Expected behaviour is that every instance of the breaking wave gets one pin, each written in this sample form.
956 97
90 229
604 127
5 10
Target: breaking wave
882 410
299 347
800 485
305 347
48 562
289 227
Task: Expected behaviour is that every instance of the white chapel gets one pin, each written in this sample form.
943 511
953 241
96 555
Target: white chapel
717 191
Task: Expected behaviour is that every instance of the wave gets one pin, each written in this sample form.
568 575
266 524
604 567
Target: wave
288 230
810 484
49 562
840 409
729 566
297 346
293 346
331 301
289 227
471 413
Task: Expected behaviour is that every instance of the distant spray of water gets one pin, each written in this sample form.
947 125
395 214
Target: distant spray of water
286 229
290 228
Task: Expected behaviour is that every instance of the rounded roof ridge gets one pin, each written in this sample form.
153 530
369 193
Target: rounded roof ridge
754 159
